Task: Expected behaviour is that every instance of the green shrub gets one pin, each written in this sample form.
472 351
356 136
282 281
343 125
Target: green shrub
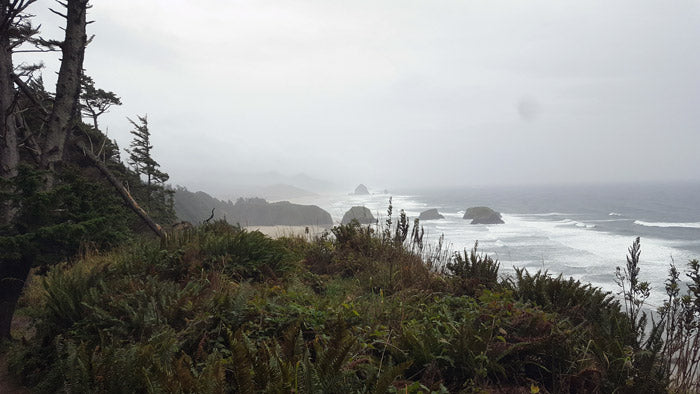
472 271
357 238
245 255
581 303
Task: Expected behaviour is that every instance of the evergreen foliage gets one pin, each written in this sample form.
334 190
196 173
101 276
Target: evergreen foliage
140 154
158 200
95 101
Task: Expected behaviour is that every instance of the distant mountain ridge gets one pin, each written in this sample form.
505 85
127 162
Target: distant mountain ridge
271 185
275 192
196 207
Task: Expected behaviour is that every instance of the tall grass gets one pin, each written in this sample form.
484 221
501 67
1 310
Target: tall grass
679 319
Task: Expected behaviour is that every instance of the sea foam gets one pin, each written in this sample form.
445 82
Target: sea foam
550 214
666 224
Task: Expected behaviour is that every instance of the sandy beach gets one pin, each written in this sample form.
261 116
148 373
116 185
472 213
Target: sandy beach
285 231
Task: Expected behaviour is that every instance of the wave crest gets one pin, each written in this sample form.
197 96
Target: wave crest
551 214
576 223
666 225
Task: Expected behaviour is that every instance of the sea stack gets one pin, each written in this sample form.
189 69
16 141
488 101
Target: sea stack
483 215
361 190
361 214
430 214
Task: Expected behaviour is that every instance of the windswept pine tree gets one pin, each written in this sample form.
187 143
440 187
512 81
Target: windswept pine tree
141 160
95 101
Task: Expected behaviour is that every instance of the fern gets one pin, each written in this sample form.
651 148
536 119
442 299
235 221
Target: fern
330 359
471 271
387 377
240 365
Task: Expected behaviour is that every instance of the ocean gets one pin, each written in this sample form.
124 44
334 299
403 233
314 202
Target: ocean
577 231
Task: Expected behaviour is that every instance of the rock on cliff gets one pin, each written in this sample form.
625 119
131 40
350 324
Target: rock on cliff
430 214
361 214
258 212
483 215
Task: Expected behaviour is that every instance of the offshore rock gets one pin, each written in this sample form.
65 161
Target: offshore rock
361 214
430 214
361 190
483 215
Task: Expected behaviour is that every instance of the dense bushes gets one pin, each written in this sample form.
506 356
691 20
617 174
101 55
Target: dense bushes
220 309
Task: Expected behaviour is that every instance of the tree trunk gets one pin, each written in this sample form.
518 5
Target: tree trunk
12 274
9 152
67 86
12 277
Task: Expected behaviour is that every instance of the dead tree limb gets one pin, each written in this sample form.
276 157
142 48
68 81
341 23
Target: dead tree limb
126 196
210 217
28 92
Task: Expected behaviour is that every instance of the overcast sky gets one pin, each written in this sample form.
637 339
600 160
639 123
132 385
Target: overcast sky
404 93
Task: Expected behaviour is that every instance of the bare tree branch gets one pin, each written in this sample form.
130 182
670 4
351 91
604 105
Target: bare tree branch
28 92
33 147
211 216
37 50
58 13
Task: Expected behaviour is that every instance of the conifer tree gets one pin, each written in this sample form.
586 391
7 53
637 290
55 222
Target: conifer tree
142 162
140 157
94 101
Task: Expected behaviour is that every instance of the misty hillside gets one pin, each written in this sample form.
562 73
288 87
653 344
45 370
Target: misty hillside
272 192
196 207
271 185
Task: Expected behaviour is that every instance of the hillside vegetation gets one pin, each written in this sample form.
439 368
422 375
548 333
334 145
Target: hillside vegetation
220 309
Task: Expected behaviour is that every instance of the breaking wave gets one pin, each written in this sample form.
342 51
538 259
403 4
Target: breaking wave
666 225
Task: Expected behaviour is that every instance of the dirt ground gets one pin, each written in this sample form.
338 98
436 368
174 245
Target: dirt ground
8 385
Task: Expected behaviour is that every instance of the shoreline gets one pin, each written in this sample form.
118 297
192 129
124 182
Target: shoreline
289 231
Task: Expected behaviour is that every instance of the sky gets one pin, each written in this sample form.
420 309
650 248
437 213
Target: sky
402 93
